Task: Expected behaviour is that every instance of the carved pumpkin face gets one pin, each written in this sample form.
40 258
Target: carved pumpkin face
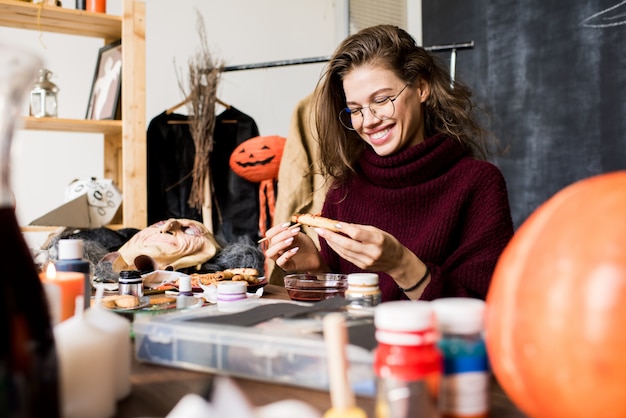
258 158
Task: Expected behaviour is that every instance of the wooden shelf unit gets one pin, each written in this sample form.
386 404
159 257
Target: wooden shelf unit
124 140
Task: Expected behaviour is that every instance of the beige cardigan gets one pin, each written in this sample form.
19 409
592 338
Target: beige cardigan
301 187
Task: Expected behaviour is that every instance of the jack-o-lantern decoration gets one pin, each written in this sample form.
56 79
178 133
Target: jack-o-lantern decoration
556 307
258 160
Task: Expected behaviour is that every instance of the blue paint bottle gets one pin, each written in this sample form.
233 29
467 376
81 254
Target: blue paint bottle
464 386
70 258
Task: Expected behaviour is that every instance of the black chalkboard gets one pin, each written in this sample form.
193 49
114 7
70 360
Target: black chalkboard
552 76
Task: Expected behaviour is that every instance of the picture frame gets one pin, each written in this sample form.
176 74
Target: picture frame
104 99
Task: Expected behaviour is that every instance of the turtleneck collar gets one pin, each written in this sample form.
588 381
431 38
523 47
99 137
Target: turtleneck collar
412 166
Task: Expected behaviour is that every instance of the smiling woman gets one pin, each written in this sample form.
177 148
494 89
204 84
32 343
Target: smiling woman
402 149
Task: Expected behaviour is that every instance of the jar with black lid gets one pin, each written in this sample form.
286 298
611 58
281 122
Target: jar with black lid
130 282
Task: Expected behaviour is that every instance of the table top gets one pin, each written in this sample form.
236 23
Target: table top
157 389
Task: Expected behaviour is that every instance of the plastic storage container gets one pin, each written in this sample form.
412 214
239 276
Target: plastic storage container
278 351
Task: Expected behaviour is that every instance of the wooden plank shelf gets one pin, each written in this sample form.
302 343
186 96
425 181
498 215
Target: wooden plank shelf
107 127
23 15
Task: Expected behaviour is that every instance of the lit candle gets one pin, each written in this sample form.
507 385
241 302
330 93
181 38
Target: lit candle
62 288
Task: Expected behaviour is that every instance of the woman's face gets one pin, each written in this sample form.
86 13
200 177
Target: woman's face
369 84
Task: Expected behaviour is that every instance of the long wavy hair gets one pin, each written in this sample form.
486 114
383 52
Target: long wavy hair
448 110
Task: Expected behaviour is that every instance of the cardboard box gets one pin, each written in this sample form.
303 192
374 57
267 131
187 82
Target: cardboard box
89 203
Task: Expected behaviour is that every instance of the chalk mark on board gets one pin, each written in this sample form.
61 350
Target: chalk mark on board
612 16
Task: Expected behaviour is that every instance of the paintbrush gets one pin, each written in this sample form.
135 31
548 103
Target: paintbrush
290 227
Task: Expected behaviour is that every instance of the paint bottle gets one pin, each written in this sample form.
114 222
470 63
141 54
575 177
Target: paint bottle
407 362
184 286
70 257
464 390
99 6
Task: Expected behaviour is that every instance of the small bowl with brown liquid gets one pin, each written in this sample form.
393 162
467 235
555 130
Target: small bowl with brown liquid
314 287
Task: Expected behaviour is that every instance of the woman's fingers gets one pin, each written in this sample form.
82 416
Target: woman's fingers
280 241
275 230
285 262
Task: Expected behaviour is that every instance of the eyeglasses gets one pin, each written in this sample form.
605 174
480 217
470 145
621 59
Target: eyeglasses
382 108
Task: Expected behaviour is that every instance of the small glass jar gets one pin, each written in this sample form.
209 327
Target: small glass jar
130 282
363 290
43 96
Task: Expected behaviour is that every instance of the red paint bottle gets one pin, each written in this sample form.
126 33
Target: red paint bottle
407 362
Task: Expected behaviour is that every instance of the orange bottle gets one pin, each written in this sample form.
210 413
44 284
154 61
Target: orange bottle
99 6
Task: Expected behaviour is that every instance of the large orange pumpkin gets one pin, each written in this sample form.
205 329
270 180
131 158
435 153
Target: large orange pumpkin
556 322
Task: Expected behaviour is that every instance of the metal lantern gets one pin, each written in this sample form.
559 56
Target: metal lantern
43 96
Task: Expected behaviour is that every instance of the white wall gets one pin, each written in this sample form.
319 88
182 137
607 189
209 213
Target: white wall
238 32
241 32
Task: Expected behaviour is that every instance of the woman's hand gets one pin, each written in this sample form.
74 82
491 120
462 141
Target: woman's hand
292 250
373 249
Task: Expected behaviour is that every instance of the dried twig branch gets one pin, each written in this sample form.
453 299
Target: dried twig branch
204 73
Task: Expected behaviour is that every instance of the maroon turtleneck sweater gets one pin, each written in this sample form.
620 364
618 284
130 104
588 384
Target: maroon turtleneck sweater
449 209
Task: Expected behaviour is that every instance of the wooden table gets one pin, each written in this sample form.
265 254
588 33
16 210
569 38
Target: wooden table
157 389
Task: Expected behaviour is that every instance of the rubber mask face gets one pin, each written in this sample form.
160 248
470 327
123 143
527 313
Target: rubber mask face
171 245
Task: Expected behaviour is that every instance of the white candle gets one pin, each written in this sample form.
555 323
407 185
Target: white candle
118 330
87 364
